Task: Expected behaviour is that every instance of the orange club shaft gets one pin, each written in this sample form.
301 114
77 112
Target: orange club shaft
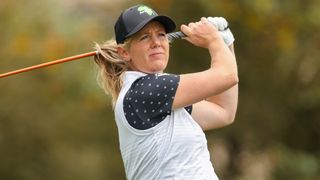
58 61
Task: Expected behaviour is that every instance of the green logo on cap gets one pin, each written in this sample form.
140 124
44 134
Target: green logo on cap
146 9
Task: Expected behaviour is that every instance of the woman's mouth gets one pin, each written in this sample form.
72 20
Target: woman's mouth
157 55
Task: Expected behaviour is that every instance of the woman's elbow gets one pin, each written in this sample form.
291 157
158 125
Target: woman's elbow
229 118
234 78
220 124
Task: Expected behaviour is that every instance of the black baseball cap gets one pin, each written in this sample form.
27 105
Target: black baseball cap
135 18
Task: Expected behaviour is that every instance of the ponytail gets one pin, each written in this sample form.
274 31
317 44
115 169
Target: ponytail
111 68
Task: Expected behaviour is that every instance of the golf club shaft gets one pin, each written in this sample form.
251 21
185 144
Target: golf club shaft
177 35
71 58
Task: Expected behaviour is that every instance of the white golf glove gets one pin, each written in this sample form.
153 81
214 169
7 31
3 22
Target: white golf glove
222 25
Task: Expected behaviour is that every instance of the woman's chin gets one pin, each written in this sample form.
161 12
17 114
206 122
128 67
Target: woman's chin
157 70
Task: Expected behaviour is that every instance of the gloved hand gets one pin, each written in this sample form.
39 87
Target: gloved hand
222 25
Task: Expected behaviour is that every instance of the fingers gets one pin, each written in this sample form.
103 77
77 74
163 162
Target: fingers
190 30
195 27
203 22
200 33
186 30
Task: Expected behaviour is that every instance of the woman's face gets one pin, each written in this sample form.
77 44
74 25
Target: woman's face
149 49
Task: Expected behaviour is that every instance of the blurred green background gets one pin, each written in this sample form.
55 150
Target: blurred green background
56 123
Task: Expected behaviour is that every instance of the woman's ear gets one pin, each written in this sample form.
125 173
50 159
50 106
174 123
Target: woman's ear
123 53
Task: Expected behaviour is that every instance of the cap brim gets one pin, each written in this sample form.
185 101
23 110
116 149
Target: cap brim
167 22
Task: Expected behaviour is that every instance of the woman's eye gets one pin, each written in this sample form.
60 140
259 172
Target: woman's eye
144 37
162 34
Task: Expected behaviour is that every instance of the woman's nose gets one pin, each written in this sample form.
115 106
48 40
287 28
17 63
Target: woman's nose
156 41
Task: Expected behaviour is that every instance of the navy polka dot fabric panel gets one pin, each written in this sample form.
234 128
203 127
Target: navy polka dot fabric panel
189 109
149 100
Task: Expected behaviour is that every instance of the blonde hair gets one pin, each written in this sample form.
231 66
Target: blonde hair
111 67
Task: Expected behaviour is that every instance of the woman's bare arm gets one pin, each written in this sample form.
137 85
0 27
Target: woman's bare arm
217 111
222 74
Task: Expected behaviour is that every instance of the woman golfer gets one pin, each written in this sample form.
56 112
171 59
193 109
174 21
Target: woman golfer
161 118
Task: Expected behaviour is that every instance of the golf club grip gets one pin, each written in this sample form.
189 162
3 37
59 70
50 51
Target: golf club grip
177 35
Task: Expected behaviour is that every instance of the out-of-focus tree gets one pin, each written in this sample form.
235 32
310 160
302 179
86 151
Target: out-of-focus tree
55 123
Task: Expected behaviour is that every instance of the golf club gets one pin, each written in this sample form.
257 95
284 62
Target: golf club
171 37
